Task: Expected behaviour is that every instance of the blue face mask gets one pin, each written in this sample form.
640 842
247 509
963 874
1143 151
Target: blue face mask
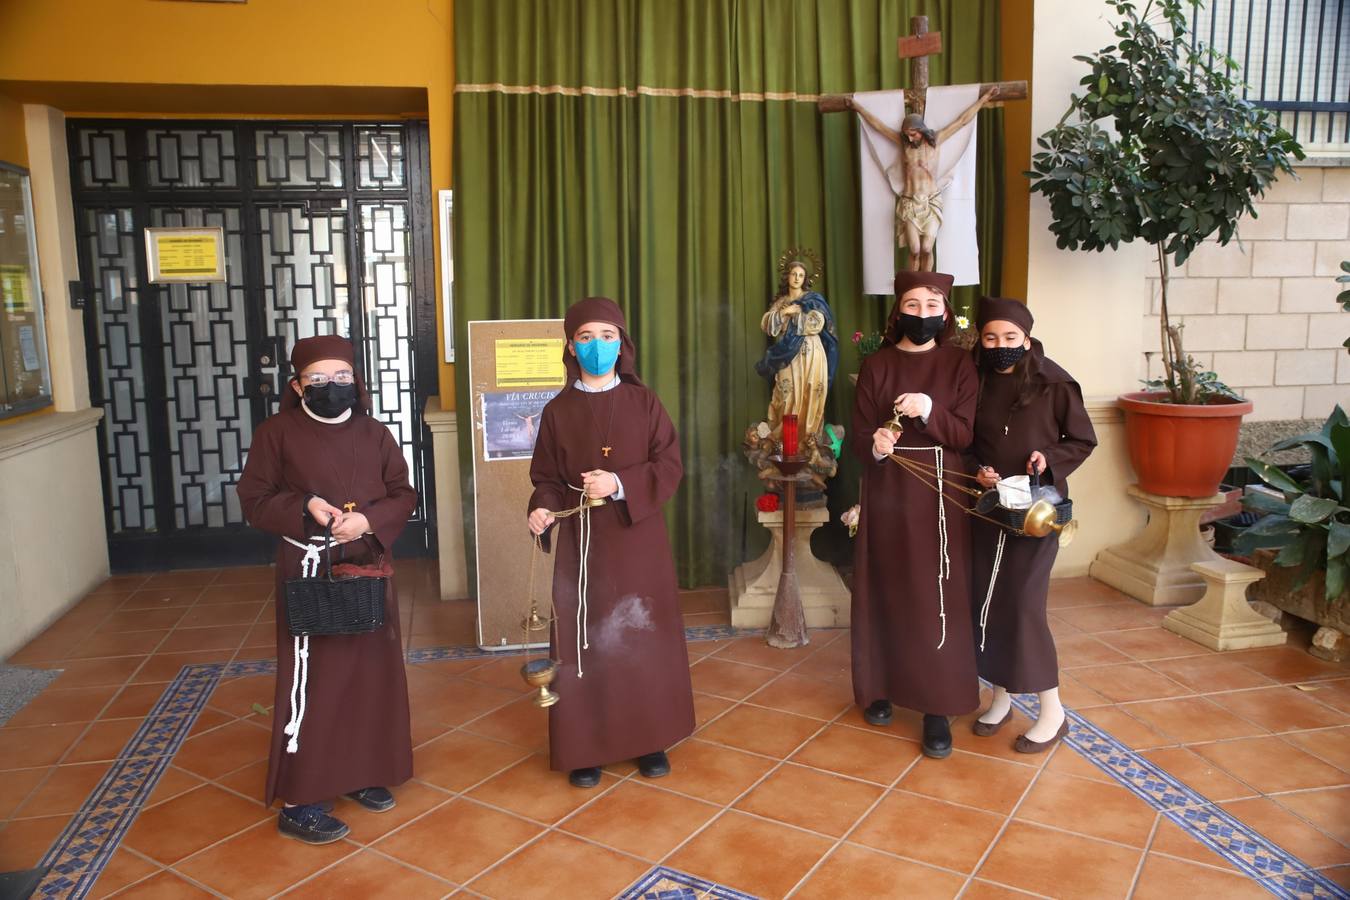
597 357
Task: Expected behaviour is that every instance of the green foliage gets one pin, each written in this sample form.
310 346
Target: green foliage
1160 146
1195 384
867 343
1343 298
1310 522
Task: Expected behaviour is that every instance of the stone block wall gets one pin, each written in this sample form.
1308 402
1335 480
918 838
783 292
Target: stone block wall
1261 311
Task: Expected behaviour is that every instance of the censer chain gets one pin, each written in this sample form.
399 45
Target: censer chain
906 465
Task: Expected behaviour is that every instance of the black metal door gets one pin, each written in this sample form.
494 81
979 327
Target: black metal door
326 232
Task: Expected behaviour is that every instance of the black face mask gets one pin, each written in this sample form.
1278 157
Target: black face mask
330 400
1000 358
920 329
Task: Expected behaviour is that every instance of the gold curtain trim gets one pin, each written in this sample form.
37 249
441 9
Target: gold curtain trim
639 91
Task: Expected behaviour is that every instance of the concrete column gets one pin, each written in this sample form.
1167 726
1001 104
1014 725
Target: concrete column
444 426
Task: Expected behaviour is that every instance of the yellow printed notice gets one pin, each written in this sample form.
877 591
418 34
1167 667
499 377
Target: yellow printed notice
530 362
185 254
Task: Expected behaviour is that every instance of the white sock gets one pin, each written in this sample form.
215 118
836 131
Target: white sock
998 707
1051 717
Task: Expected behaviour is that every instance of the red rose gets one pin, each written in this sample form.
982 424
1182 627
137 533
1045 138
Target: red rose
767 503
857 336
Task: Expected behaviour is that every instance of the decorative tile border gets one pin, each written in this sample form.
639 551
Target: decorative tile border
93 834
1274 868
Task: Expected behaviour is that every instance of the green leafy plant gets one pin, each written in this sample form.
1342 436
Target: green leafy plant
1183 159
867 343
1343 298
1310 522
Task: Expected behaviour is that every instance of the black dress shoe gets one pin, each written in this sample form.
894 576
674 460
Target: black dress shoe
937 737
879 713
375 799
584 778
653 765
310 824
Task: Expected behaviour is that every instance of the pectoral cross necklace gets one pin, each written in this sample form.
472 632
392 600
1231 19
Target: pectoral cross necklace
605 446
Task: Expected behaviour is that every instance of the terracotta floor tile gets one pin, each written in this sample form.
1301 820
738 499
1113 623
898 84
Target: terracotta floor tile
852 871
250 781
531 789
459 840
225 749
1125 728
758 857
1091 808
1288 664
520 723
127 643
556 860
754 651
1172 840
160 598
1127 682
461 702
1333 692
152 619
209 719
112 671
804 696
1000 745
758 730
238 695
134 701
164 886
987 890
414 799
1281 709
162 667
261 636
1270 765
929 831
1076 695
367 874
831 666
1153 643
235 593
23 842
1064 760
1198 773
1083 591
868 755
39 745
970 779
707 707
811 799
54 706
265 575
64 791
174 782
181 578
259 863
1330 744
459 760
1058 864
501 673
1111 618
1207 674
217 637
120 583
1163 878
639 820
1305 841
190 822
1328 809
210 614
728 679
16 785
123 868
1338 874
1191 720
713 772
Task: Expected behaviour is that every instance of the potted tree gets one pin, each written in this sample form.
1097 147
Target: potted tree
1182 160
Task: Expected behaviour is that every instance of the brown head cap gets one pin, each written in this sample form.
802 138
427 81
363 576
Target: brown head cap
308 351
1004 309
599 309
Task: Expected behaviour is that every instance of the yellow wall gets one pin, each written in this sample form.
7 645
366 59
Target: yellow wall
13 147
266 57
1015 44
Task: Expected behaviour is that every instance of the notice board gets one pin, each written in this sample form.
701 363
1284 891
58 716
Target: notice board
515 368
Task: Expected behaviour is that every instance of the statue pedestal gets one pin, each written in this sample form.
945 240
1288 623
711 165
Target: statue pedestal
1222 619
1155 567
825 598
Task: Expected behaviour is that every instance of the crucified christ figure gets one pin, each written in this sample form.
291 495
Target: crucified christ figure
918 208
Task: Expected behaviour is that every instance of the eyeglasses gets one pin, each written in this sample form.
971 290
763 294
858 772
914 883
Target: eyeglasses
318 379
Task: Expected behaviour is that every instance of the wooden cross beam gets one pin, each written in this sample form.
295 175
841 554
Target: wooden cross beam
916 48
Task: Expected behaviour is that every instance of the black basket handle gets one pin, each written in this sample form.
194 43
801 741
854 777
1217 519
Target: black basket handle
342 548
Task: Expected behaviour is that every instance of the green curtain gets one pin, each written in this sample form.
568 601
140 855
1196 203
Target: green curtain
678 207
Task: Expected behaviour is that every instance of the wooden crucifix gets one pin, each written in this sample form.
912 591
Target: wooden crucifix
920 183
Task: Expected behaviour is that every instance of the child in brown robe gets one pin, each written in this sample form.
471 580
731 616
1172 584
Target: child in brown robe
1030 419
623 674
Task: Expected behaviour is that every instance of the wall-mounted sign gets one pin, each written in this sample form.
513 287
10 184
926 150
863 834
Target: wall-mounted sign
530 362
447 210
185 254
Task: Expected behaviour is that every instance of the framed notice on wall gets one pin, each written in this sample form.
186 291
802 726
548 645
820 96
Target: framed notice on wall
25 377
185 254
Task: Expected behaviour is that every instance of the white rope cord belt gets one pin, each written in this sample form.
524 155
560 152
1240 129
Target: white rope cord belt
993 579
945 563
583 575
309 568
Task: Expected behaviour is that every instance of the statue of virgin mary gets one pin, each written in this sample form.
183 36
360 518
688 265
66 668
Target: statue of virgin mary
800 363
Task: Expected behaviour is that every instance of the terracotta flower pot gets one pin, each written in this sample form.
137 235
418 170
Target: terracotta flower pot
1181 450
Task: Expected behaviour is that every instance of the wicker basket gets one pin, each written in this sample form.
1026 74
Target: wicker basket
327 605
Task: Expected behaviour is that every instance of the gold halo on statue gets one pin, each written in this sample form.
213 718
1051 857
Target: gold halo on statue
815 269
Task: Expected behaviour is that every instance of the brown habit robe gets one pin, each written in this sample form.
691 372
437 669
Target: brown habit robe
1019 652
632 694
896 623
356 731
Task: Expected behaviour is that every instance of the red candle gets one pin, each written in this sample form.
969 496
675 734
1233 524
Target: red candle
789 436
